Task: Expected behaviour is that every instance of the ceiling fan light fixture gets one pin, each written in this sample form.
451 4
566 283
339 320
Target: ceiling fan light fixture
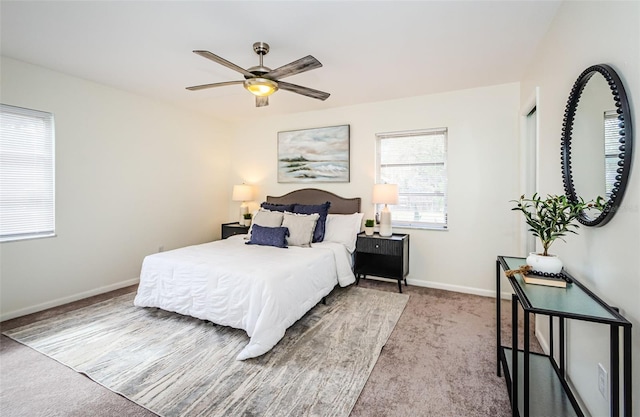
261 87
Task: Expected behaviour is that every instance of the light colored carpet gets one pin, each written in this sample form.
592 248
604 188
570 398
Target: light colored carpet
179 366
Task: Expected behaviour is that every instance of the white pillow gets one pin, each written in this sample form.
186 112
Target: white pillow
266 218
343 228
301 227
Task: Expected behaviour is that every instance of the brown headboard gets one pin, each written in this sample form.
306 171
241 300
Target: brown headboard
339 205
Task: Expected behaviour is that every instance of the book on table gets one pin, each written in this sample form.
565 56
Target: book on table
548 281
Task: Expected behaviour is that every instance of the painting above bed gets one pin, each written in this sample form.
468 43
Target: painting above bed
314 155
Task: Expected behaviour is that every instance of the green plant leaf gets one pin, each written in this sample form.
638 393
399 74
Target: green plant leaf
552 217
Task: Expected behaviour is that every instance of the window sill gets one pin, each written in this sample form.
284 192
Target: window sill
420 227
31 237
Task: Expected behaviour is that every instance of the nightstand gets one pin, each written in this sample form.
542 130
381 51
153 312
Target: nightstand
380 256
230 229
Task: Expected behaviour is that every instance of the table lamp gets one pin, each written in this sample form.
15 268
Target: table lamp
242 193
385 194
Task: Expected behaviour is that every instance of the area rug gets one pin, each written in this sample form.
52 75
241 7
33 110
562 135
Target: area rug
175 365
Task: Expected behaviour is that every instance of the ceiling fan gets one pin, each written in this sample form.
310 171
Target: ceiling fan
262 81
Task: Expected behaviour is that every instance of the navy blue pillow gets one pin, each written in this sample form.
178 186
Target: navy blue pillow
277 207
269 236
322 210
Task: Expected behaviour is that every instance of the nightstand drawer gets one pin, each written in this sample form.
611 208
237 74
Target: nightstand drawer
379 246
230 229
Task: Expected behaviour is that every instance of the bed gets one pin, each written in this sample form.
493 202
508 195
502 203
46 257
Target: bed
260 289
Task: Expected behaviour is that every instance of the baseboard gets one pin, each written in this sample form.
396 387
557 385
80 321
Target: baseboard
65 300
544 343
60 301
457 288
448 287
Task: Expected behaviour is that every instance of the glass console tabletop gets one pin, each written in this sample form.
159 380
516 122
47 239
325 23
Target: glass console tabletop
573 301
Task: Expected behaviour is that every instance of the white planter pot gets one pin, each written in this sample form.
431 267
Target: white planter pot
368 231
550 263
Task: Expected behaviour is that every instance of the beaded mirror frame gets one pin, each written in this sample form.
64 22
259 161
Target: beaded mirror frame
625 141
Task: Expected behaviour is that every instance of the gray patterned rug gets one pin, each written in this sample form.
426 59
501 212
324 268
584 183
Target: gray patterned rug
179 366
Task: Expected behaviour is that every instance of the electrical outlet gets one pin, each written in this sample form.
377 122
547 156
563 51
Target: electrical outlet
602 381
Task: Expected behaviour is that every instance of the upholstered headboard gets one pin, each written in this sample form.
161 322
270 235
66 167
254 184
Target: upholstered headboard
339 205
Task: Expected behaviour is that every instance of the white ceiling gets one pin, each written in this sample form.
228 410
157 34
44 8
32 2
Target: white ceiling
370 50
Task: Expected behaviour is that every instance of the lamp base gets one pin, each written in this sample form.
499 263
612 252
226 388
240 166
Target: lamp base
385 222
244 209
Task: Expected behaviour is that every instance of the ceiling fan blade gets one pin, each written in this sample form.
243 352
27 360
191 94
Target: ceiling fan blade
222 61
203 86
305 91
262 101
296 67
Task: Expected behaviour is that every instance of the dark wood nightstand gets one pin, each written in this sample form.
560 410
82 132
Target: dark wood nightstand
386 257
230 229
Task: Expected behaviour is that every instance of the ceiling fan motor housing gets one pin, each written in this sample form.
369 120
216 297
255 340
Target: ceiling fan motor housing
260 48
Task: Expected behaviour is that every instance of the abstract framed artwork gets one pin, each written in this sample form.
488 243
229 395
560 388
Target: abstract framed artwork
314 155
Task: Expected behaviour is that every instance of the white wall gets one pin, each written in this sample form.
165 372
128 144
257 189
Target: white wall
132 174
605 259
482 169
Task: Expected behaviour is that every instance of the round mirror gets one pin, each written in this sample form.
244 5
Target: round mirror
597 140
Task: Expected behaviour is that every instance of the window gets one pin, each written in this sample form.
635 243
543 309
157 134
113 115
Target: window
611 144
416 161
27 206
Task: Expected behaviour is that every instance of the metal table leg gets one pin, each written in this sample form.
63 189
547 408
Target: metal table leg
514 353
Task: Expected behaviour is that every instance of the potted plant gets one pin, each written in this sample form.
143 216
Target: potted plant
368 227
247 219
549 219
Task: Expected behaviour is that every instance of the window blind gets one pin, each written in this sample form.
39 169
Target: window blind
27 197
611 151
416 161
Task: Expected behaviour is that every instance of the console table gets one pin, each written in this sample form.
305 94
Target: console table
551 395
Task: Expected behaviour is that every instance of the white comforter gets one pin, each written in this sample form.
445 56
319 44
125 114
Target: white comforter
260 289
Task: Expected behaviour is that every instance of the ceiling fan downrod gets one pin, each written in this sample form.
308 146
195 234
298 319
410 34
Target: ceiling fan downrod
260 48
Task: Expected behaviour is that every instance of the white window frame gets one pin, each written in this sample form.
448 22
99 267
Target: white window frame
27 174
415 224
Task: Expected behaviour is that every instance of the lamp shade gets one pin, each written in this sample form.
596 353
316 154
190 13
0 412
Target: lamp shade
385 194
242 192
